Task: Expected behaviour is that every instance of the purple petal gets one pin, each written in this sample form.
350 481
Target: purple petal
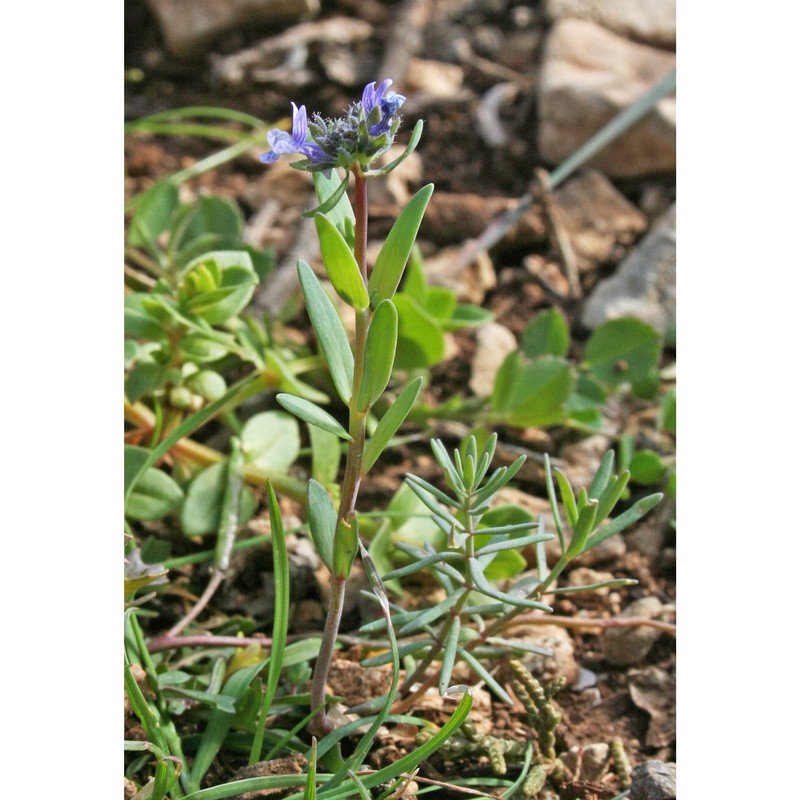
299 125
268 158
372 96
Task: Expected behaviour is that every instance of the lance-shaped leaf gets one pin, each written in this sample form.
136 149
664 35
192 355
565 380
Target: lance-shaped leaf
341 264
633 514
449 654
567 497
379 358
582 528
331 203
394 254
389 424
413 141
313 414
330 332
603 475
321 521
345 547
484 587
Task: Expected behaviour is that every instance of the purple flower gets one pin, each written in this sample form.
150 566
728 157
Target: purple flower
388 105
282 143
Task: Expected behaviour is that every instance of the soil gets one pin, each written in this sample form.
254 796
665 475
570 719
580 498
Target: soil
456 159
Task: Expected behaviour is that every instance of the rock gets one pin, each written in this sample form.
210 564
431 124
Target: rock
584 576
589 75
357 684
494 343
469 281
582 459
188 25
433 77
643 285
454 217
653 690
290 51
589 761
597 218
550 637
625 646
653 780
649 21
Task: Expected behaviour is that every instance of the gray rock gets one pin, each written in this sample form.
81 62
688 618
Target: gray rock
188 25
625 646
643 285
589 75
649 21
494 343
597 218
654 780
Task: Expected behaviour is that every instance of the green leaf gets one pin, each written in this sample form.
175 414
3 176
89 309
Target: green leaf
582 529
331 335
217 219
271 440
345 547
217 285
154 213
546 334
321 521
389 424
135 459
623 351
440 302
647 468
326 455
624 520
280 620
313 414
201 349
379 357
153 495
507 562
533 394
331 192
200 514
341 265
667 419
466 315
449 654
139 323
413 141
420 337
415 285
144 379
391 261
567 497
603 475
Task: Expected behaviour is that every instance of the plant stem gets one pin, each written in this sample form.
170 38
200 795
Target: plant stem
321 724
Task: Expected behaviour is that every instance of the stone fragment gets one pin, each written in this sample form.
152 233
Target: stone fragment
550 637
357 684
643 285
625 646
653 690
494 343
434 77
597 218
282 59
649 21
455 217
189 25
588 76
654 780
589 761
469 281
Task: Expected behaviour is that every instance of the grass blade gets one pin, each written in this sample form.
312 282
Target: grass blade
280 620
